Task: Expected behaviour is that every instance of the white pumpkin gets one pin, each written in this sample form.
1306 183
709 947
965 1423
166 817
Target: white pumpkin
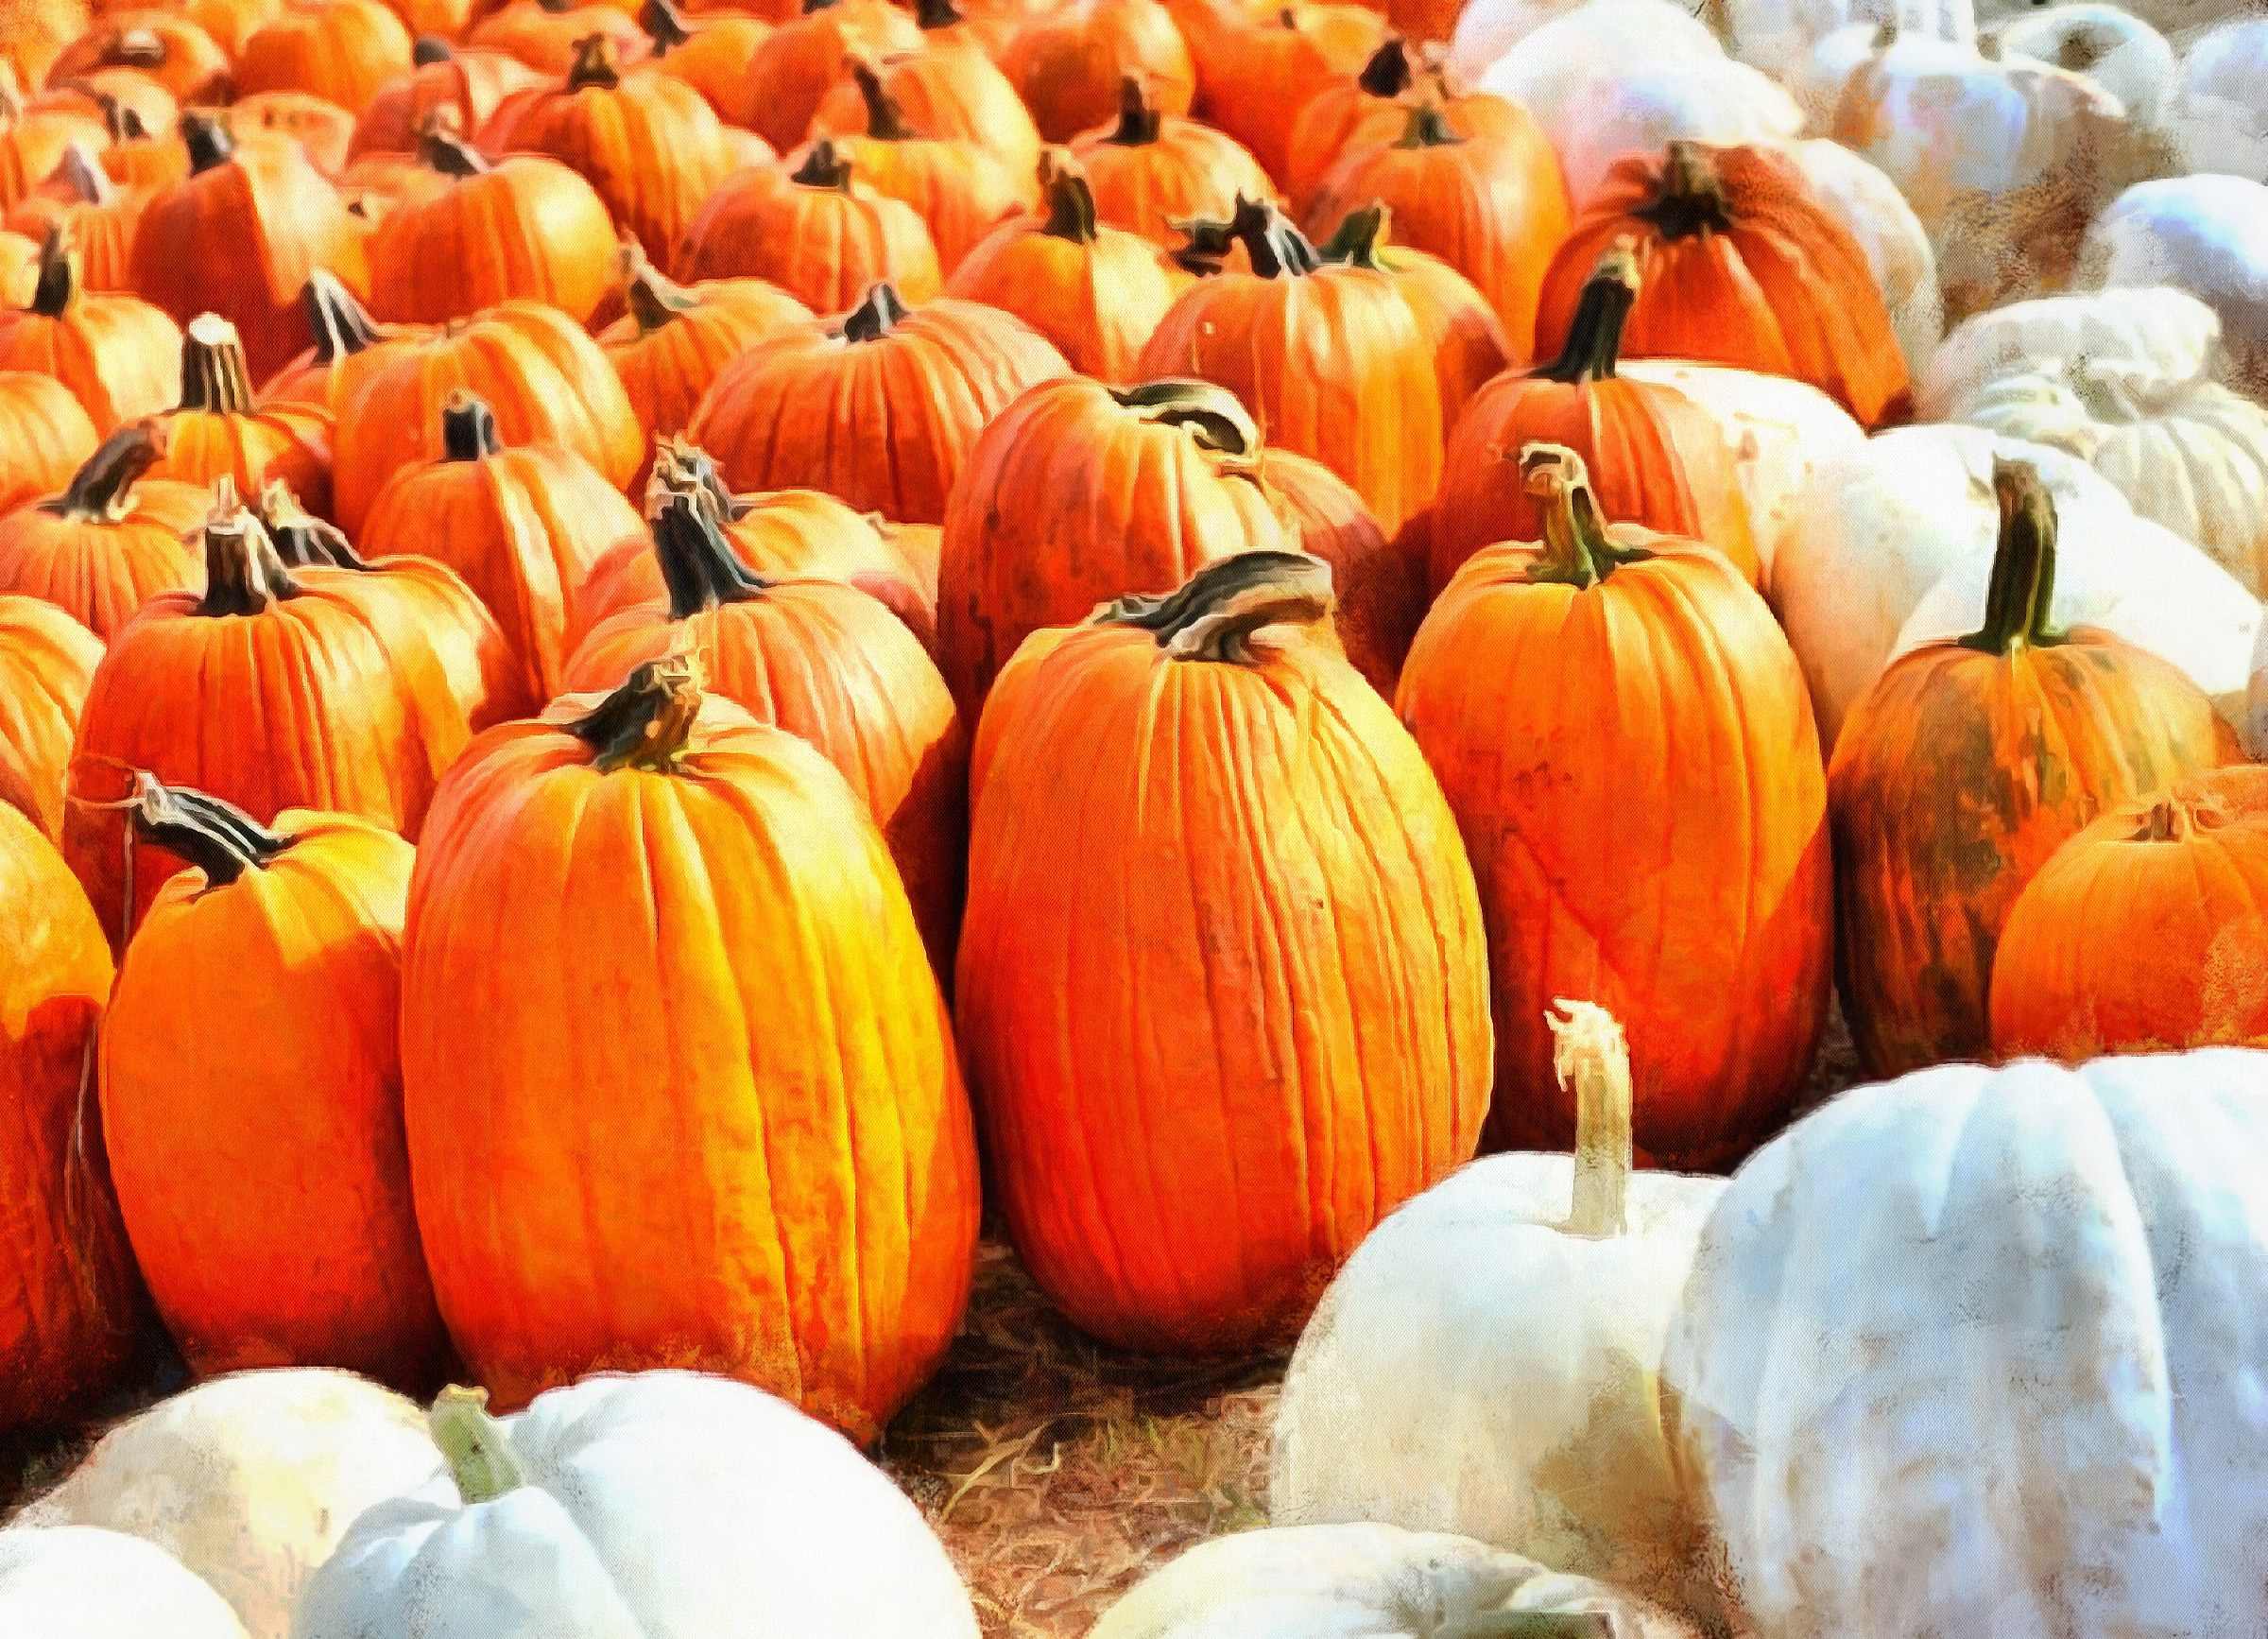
2109 44
1569 31
1862 197
1874 530
1778 430
1371 1581
1486 1362
1594 118
2217 116
76 1582
2253 731
2185 450
248 1480
2205 234
1977 1352
664 1505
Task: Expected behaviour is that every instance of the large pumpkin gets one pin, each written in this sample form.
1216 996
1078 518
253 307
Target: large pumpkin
84 1583
1719 967
879 408
1070 64
762 982
793 70
1256 73
119 355
1965 767
1739 263
813 229
1656 457
340 50
1228 792
45 435
1154 169
110 540
825 662
46 661
949 89
261 1172
462 86
219 429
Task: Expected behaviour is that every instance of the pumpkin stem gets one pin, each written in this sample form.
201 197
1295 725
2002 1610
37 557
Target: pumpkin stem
652 296
1208 413
341 325
1577 550
1591 1056
214 377
644 723
90 185
1278 249
1595 336
825 167
243 575
442 148
103 486
1388 73
1688 200
2168 821
2022 589
1214 614
594 67
1359 239
468 427
932 15
301 540
214 837
812 6
1429 128
875 317
886 120
1069 203
208 140
478 1451
664 25
697 563
682 467
1139 120
429 49
58 284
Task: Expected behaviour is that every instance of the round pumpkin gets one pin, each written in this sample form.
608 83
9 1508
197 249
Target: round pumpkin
110 540
1199 1224
1154 170
1343 112
320 126
340 50
343 328
548 35
949 91
119 355
1256 75
1965 767
34 140
1377 582
100 215
75 1582
45 435
815 230
711 52
170 48
806 54
46 661
1069 63
219 429
461 85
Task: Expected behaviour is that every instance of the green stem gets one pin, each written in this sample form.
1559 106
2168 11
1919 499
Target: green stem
214 379
886 120
443 150
212 836
2022 589
475 1445
932 15
1209 413
1360 237
1429 128
594 67
644 723
1216 610
301 540
1577 550
208 141
430 49
664 25
1388 73
58 288
1595 336
1277 248
342 326
1070 205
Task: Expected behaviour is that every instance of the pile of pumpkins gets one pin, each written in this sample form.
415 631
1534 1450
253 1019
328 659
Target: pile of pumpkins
625 633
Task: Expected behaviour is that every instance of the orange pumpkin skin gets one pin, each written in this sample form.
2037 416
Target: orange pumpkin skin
322 128
1070 65
75 1299
119 355
37 34
548 35
1740 264
1255 80
2144 932
520 526
804 57
1196 1084
188 61
953 93
19 265
229 23
524 227
650 146
829 664
259 206
546 381
1378 91
1096 292
101 216
879 408
463 89
45 435
711 52
1720 964
1487 200
1461 330
824 1248
343 329
1655 458
340 50
1077 493
815 231
261 1173
1377 584
219 429
1154 170
110 540
47 661
344 689
33 144
1965 767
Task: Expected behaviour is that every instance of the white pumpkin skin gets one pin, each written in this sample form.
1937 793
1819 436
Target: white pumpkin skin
2217 115
1862 197
1645 106
2205 234
76 1582
1567 31
2109 44
248 1480
663 1505
1362 1581
1976 1351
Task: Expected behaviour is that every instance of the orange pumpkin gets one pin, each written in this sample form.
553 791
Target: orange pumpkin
819 1061
19 265
46 661
794 68
713 52
119 355
548 35
1096 292
261 1173
125 99
33 140
463 87
164 44
526 227
825 662
229 23
1347 106
1741 264
220 430
1377 582
142 156
100 215
322 129
1654 457
43 436
879 408
674 341
815 230
69 1327
949 91
110 540
1718 964
343 329
522 526
37 33
1070 65
340 50
1198 1093
1487 200
1257 73
1966 767
240 237
1153 170
545 380
345 689
650 146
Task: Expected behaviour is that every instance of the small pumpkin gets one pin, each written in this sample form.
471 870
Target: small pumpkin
46 661
813 229
1347 109
879 408
548 35
1154 170
340 50
711 51
110 540
218 428
45 435
119 355
949 91
1965 767
169 47
1070 64
262 1175
100 215
73 1579
463 86
804 56
1257 74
